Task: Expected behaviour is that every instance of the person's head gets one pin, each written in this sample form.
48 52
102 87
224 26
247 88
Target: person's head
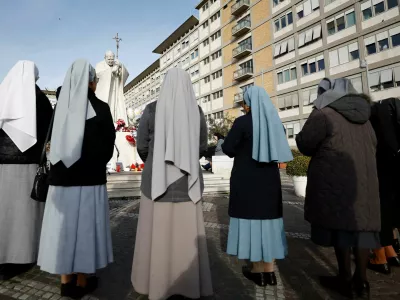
245 107
36 74
93 80
58 92
218 136
109 58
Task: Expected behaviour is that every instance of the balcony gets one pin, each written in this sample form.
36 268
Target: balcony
241 28
242 50
243 73
240 7
238 98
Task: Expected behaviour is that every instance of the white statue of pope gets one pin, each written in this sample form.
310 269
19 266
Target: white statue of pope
112 77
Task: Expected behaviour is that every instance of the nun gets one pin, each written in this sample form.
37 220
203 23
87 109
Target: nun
25 114
171 257
257 142
76 235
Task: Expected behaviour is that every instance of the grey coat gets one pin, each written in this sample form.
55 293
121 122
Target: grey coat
178 191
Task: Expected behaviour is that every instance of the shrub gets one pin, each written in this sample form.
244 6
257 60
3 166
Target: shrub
296 152
298 166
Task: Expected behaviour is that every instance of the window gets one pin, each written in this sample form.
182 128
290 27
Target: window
218 116
247 65
288 102
215 16
206 42
309 36
216 36
306 8
284 47
375 7
246 87
287 75
207 79
195 54
205 6
383 41
356 81
216 55
206 61
313 65
277 2
344 54
309 95
205 24
217 95
341 22
217 74
185 44
383 79
283 21
292 129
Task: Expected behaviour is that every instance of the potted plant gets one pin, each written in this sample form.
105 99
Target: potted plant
297 169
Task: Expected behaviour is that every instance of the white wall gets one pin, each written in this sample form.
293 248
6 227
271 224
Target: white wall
341 34
215 44
289 113
204 69
283 31
386 54
216 83
215 64
312 77
286 85
311 47
334 5
280 6
389 93
304 20
204 87
345 67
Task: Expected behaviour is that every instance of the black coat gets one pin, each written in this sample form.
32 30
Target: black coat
9 152
342 189
255 187
385 119
97 150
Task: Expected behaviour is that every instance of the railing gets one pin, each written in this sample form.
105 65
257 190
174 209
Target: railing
240 26
239 5
239 97
242 72
241 49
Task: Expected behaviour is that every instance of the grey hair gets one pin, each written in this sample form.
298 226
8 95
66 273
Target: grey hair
36 73
109 52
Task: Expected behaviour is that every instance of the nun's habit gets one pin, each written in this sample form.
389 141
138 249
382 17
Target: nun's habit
25 114
171 255
258 142
76 235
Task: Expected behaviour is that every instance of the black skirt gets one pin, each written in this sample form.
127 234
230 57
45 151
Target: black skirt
344 239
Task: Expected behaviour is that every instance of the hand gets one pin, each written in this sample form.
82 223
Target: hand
116 62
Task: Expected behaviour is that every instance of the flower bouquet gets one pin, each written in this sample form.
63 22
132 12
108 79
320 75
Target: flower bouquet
131 139
120 124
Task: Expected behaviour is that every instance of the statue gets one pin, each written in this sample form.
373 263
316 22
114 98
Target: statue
112 77
131 116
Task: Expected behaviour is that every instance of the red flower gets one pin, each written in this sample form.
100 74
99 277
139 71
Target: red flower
131 139
142 166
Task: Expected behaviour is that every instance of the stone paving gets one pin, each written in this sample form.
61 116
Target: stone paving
297 275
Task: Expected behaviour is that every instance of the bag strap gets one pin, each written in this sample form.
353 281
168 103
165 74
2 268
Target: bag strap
43 155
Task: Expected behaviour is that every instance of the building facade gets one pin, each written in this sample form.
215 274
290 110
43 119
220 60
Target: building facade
51 95
287 47
144 88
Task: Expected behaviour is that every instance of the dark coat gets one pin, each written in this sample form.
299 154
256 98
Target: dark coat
9 152
255 188
385 119
178 191
97 150
342 189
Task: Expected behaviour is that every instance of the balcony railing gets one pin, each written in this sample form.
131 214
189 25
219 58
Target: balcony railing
243 73
239 97
242 50
241 28
240 7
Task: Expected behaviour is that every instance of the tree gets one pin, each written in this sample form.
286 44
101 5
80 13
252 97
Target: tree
221 126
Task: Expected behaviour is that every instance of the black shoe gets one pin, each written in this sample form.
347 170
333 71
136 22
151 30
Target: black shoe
396 246
393 261
380 268
337 284
257 278
92 283
270 278
362 290
71 290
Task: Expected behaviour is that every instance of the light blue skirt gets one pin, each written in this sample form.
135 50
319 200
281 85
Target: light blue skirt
257 240
76 234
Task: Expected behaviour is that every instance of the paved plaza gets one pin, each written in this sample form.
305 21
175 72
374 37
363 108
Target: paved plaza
297 275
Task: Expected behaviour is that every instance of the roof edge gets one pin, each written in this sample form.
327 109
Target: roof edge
142 75
200 5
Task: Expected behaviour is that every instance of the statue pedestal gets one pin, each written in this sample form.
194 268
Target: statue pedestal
128 154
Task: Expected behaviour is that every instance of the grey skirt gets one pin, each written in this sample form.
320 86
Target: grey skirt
76 234
344 239
20 216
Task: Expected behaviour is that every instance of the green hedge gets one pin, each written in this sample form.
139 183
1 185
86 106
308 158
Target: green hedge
298 166
296 153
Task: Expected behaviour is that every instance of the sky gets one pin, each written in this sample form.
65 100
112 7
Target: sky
54 33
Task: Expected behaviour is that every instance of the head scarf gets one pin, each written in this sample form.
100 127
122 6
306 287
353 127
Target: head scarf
18 104
331 90
73 109
269 139
177 136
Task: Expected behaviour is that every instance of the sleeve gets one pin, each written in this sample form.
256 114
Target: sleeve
143 136
109 135
312 134
203 134
44 113
233 139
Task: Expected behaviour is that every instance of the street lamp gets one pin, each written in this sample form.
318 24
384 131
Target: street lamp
364 65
